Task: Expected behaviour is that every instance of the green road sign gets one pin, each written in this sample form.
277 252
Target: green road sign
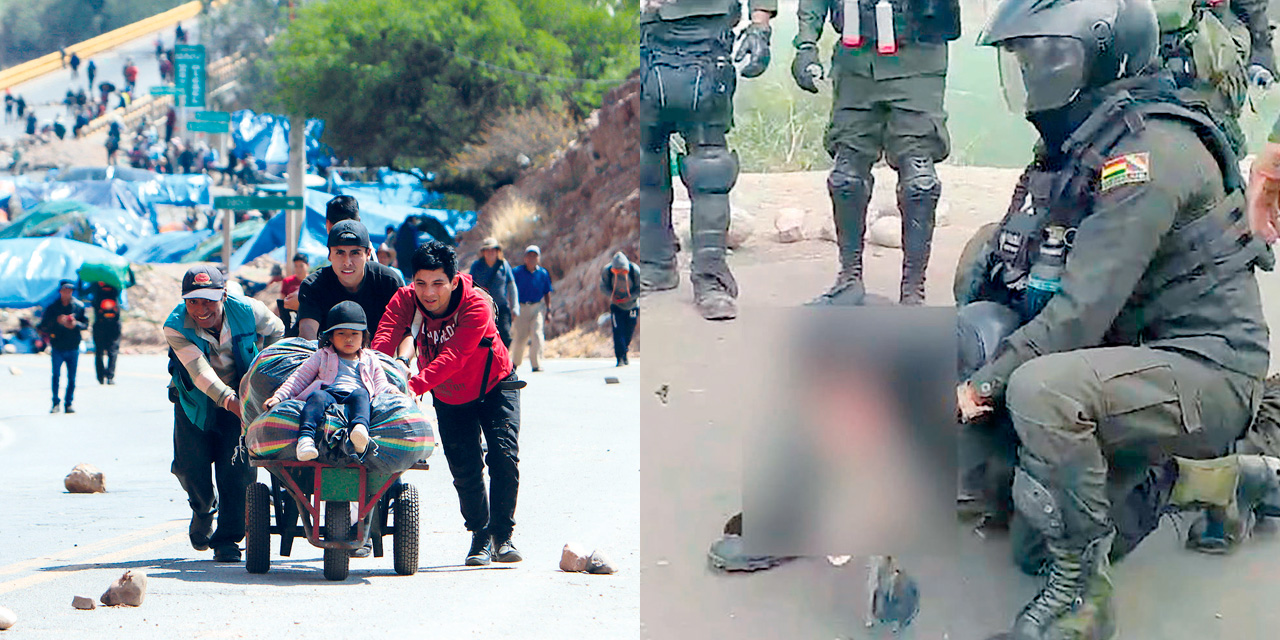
213 116
208 127
257 202
189 61
165 90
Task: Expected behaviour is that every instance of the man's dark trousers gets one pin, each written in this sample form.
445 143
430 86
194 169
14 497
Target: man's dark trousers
624 326
106 346
497 416
194 450
70 357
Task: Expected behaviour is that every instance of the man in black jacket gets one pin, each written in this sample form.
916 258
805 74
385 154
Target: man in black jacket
106 330
62 322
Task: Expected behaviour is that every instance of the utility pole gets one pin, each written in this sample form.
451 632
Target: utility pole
297 168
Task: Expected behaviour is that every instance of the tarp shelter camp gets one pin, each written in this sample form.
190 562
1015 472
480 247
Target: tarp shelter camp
31 268
375 217
115 230
168 247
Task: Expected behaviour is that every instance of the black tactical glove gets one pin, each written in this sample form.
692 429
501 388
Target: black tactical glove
753 43
805 68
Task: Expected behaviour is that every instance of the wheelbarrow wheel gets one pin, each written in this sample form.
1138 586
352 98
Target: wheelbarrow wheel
337 527
257 529
405 553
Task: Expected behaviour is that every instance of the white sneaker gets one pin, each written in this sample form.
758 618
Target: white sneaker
360 437
307 449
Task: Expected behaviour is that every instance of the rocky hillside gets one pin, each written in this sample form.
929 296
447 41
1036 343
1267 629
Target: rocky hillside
579 207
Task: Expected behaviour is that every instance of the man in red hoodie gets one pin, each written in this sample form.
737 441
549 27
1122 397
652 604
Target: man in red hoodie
462 361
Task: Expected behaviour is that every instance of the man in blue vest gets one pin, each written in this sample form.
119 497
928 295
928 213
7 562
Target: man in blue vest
213 338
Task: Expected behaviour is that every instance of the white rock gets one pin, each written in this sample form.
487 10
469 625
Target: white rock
839 561
7 618
742 226
886 232
600 563
85 478
129 589
789 224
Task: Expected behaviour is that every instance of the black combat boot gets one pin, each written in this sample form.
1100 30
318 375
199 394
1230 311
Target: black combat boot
710 173
918 193
850 196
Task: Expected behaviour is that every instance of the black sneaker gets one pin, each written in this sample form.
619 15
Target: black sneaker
111 381
200 530
505 551
69 409
227 553
57 408
481 549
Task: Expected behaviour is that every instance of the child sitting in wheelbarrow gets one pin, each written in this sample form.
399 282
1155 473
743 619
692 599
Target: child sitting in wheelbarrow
341 371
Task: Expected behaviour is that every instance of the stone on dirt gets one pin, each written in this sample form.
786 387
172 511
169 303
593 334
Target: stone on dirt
600 563
129 589
83 602
7 618
85 478
789 225
574 558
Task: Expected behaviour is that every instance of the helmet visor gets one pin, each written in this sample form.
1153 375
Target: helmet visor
1041 73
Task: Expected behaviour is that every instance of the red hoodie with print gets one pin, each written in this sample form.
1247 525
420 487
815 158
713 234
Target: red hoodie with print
450 360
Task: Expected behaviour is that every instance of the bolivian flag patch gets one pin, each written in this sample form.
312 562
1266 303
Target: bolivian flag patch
1130 168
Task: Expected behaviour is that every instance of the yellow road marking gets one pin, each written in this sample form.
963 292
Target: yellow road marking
93 547
47 576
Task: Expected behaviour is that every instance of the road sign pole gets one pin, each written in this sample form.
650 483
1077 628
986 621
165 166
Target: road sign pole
228 222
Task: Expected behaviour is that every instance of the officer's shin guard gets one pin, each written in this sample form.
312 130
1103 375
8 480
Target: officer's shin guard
710 173
918 192
657 250
1075 602
850 184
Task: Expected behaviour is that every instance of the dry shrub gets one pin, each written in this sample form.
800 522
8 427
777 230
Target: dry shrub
514 223
535 134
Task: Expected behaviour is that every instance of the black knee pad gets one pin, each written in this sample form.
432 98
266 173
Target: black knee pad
849 177
917 179
711 170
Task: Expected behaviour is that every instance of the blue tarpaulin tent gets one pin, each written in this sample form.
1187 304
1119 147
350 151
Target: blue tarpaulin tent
266 136
168 247
30 268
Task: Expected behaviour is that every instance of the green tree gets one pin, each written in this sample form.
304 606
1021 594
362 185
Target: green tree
408 83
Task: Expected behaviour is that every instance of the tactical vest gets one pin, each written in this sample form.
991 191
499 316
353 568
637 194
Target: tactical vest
923 21
1207 49
244 347
1049 206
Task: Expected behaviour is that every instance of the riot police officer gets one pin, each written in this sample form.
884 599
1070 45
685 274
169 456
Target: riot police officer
890 69
1131 268
687 86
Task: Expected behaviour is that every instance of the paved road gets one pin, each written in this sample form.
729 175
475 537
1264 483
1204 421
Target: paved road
580 481
693 446
45 93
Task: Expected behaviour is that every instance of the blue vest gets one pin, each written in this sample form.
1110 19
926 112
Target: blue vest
244 345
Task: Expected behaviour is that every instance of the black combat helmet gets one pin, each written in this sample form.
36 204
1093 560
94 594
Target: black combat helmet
1053 50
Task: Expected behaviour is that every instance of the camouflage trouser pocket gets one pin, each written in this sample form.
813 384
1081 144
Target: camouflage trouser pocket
1145 397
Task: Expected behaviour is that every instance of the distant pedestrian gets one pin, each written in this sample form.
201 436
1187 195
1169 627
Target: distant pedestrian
130 75
170 121
621 282
8 106
533 288
493 274
62 322
106 330
31 123
90 70
180 34
21 105
166 70
75 65
159 48
186 158
62 56
406 244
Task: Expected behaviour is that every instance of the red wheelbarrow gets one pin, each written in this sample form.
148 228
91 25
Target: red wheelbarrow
384 506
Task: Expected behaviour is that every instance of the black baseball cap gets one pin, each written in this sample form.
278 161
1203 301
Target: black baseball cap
346 315
349 233
203 282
